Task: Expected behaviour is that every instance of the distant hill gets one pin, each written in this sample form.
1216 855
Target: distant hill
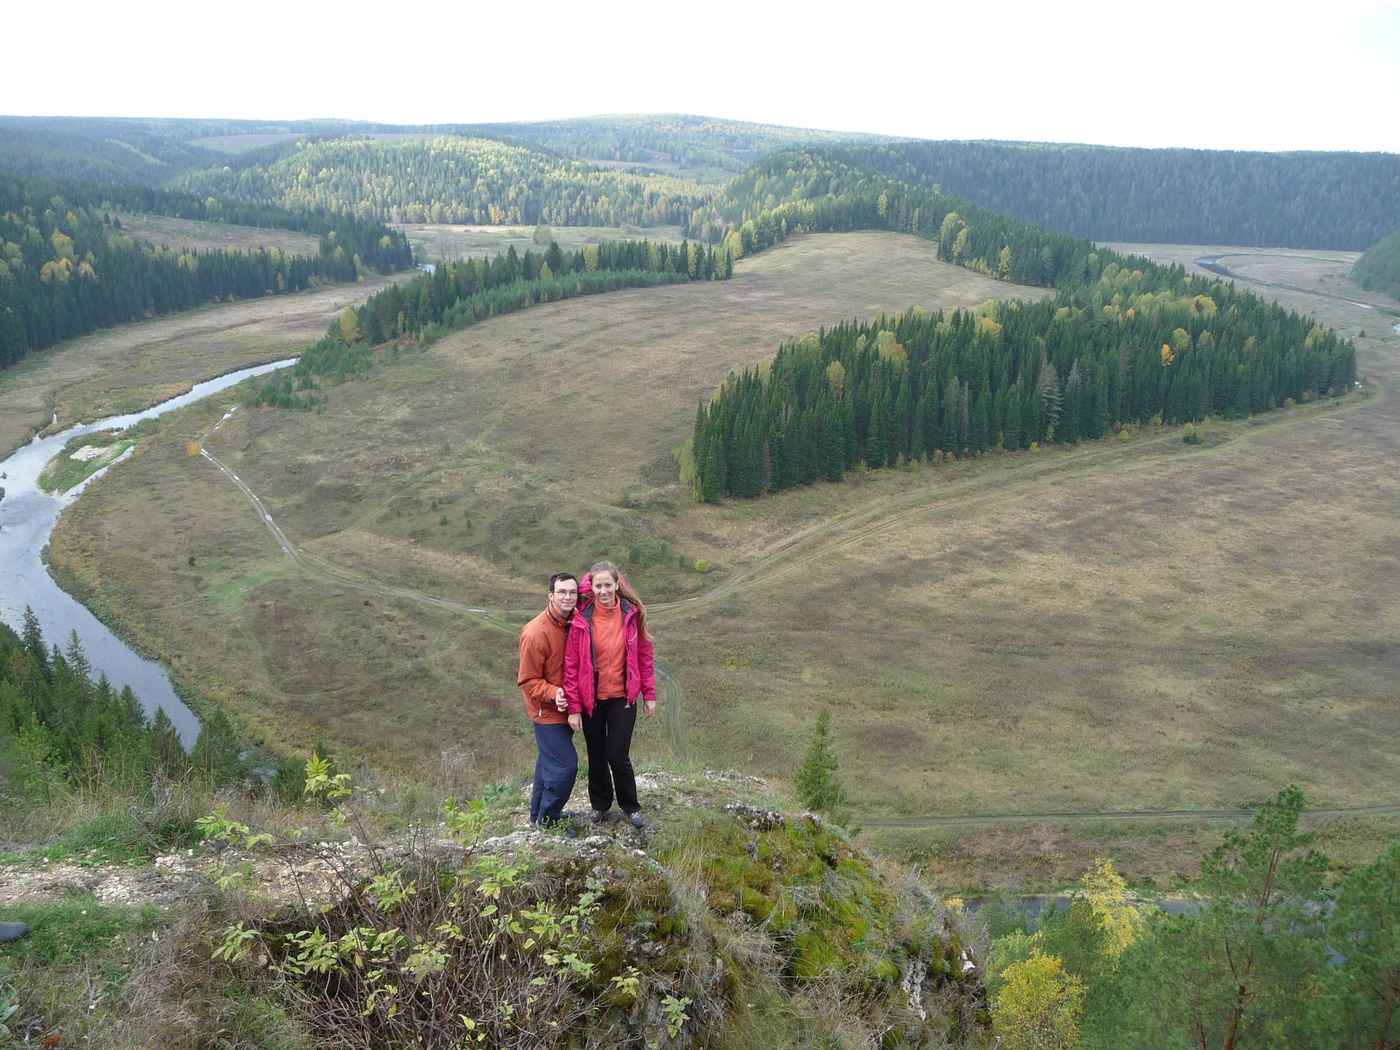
447 179
1378 269
666 168
1183 196
668 139
82 153
112 148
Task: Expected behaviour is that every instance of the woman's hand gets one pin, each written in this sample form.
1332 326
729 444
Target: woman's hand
648 707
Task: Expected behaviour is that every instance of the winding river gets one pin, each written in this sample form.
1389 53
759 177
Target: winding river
28 516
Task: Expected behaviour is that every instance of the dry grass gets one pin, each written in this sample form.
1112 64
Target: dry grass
205 236
1126 626
437 241
137 365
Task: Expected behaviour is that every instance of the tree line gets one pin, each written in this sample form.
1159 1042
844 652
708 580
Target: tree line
1185 196
61 149
61 727
449 179
67 268
801 191
531 172
457 294
1142 343
684 139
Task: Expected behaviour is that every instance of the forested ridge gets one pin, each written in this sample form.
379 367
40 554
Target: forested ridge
1378 269
533 172
66 267
1127 341
51 144
144 151
684 139
800 191
447 179
1333 200
61 152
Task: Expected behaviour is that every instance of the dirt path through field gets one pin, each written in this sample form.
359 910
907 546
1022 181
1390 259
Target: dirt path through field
1346 422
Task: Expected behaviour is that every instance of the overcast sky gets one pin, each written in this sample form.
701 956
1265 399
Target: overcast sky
1230 74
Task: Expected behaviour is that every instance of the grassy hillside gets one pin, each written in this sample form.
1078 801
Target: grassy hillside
1133 625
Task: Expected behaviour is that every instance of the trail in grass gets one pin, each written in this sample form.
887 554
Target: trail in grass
830 536
833 535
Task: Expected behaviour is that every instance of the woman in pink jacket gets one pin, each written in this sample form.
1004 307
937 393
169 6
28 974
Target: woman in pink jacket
607 667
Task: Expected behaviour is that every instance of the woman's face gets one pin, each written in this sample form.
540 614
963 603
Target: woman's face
605 588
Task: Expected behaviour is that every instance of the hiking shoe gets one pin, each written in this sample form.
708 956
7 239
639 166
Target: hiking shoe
638 821
596 817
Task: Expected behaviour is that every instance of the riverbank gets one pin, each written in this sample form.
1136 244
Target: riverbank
28 516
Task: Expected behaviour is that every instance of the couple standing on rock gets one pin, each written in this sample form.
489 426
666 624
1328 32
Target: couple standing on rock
584 662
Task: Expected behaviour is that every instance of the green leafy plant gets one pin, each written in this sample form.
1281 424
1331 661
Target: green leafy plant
489 953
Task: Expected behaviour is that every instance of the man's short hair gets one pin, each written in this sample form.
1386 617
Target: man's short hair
560 576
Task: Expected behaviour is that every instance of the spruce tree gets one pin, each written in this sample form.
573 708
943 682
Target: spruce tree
817 785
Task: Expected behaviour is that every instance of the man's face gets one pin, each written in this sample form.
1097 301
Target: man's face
563 598
605 587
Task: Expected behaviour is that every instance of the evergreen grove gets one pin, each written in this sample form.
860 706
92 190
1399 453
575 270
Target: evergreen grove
67 268
1138 343
62 729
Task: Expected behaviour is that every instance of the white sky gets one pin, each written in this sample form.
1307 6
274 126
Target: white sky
1230 74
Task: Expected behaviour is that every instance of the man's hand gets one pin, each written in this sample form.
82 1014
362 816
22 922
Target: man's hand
648 708
559 701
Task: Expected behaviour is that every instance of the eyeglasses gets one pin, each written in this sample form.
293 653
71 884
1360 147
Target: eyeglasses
566 594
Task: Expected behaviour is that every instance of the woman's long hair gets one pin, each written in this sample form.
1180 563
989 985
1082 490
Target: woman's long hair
625 590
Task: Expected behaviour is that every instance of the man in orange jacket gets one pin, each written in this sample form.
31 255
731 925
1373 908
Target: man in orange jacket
541 681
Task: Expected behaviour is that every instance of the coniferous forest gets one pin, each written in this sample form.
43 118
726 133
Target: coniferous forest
1139 344
1126 341
66 267
1378 269
557 168
1178 196
448 179
61 725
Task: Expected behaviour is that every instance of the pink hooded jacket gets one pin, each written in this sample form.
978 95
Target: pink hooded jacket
580 680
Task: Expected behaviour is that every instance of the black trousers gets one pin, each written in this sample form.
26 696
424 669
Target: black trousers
608 733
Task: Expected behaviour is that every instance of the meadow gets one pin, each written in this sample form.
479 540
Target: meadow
1130 626
434 242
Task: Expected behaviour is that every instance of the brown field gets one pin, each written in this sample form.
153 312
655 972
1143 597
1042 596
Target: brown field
434 242
204 236
1129 626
